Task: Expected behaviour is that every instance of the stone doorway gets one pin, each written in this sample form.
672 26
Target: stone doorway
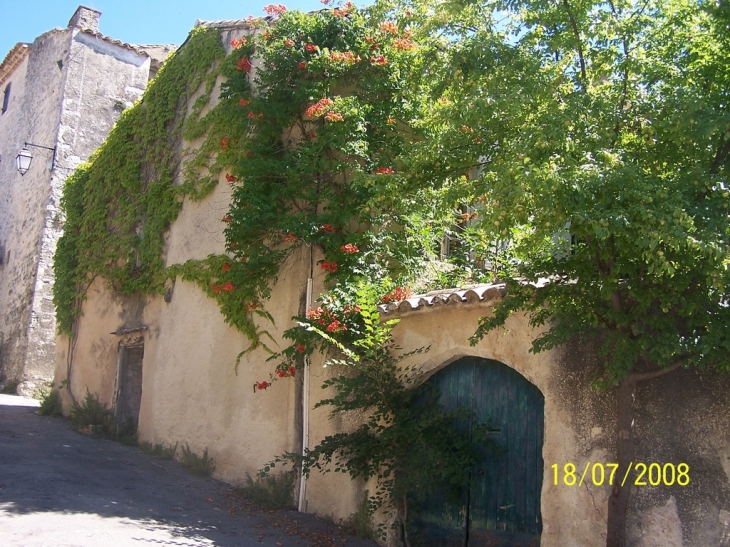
128 396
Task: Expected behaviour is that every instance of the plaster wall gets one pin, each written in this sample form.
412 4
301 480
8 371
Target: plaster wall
446 329
192 396
680 417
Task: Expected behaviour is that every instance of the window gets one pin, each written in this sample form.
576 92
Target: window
6 97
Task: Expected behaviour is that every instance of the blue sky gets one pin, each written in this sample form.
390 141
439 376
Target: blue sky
132 21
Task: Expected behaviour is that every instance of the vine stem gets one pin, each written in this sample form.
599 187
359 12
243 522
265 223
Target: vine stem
406 539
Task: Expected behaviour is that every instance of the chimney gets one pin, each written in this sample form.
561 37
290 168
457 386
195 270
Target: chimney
85 19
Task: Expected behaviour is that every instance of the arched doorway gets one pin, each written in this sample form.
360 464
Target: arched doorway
502 505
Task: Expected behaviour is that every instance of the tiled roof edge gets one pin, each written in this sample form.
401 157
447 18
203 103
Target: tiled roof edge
14 57
479 294
226 23
241 23
110 40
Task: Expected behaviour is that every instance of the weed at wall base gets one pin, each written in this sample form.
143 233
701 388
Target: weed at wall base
270 491
360 523
202 466
93 416
50 404
10 388
159 451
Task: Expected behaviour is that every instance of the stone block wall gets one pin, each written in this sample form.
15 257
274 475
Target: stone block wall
33 115
68 93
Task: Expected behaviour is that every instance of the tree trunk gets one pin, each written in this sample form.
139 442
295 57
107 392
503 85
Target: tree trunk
618 503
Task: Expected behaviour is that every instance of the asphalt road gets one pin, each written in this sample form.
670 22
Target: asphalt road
59 487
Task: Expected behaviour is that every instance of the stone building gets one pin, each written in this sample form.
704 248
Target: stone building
61 95
167 363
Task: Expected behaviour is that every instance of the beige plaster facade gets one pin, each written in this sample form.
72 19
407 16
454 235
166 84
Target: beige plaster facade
192 396
64 91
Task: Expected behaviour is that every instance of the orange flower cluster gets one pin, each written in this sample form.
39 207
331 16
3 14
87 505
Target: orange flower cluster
384 171
327 228
227 286
404 44
289 43
336 326
289 238
284 373
243 102
346 57
391 120
318 109
227 218
274 9
262 385
329 266
323 317
311 48
349 248
243 64
389 27
235 43
251 306
230 178
397 294
224 143
379 60
302 64
301 348
333 117
468 216
226 267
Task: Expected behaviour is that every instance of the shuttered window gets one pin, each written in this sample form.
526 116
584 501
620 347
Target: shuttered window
6 98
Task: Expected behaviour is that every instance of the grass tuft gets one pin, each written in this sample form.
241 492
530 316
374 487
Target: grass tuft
201 466
270 491
50 401
159 451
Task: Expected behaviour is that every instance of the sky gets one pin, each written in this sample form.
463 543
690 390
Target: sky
131 21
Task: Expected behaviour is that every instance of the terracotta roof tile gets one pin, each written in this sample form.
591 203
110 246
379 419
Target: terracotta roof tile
14 57
110 40
478 294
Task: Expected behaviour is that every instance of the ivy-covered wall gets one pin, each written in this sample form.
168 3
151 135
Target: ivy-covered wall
201 230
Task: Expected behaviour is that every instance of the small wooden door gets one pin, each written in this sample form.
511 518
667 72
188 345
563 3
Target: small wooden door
501 507
129 384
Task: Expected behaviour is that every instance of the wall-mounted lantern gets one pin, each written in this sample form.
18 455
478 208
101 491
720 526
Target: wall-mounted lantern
24 157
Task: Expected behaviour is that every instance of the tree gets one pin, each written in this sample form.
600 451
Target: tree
601 135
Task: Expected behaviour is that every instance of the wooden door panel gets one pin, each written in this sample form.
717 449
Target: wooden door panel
503 501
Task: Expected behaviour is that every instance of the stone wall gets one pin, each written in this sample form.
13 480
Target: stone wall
33 116
69 93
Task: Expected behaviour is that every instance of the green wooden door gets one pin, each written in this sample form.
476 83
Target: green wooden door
502 505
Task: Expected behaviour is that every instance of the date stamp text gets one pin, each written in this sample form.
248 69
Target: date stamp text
636 474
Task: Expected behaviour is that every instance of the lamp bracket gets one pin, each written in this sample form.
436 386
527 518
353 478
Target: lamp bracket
53 160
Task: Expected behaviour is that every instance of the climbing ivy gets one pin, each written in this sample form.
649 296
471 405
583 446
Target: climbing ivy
119 204
313 146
